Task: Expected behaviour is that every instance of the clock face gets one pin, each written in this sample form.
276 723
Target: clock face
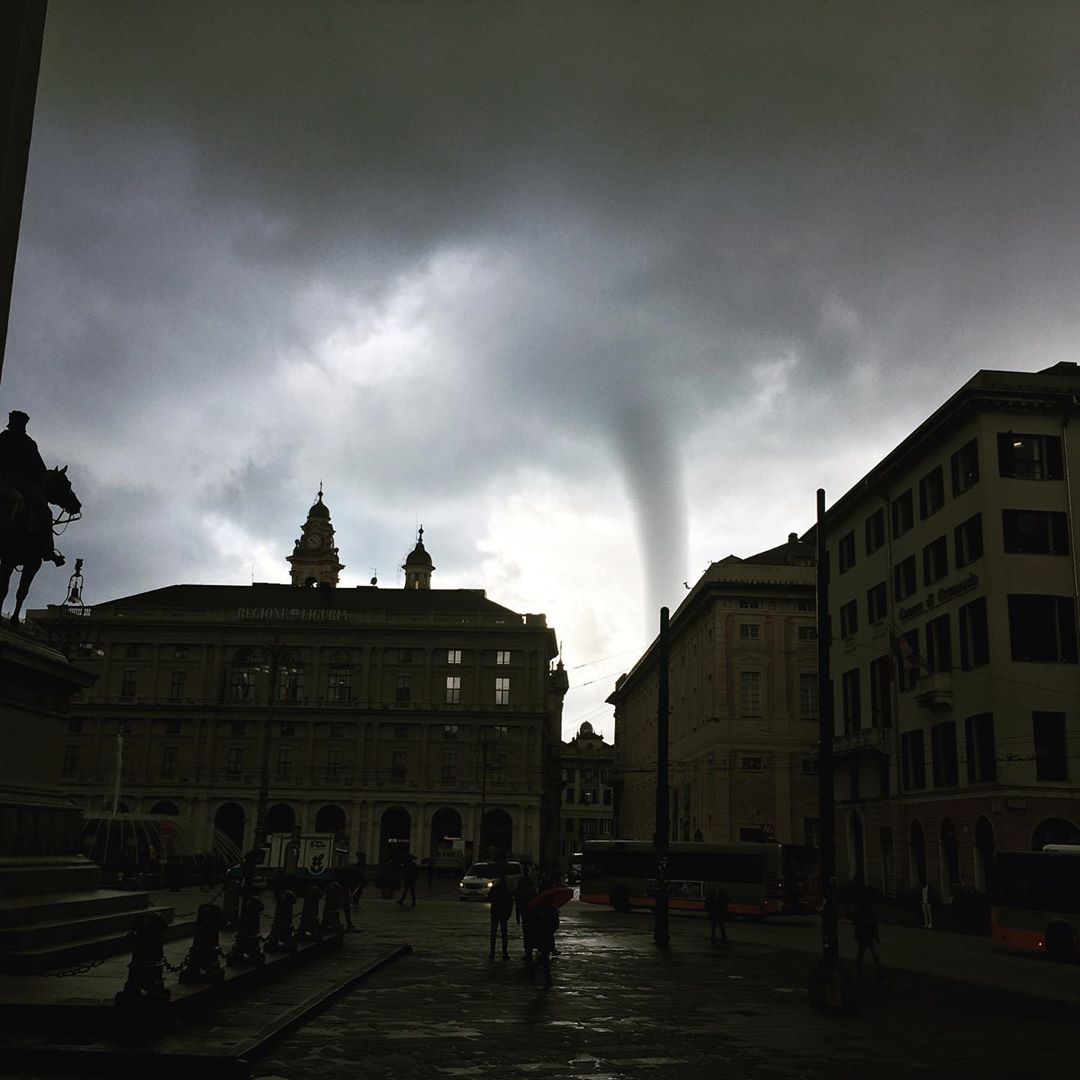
313 541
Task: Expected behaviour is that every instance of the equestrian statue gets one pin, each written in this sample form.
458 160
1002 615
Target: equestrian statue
27 490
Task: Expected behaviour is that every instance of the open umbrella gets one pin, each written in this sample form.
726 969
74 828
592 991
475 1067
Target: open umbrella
560 895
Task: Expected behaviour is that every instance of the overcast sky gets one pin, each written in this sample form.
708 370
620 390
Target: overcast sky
597 292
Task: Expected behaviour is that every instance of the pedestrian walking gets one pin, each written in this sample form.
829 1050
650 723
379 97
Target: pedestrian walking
927 908
864 919
408 887
359 878
716 904
502 907
542 920
526 890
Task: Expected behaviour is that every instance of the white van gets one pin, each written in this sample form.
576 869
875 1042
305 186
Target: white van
478 879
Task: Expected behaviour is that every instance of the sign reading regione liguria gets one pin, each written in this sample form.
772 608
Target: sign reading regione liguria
285 614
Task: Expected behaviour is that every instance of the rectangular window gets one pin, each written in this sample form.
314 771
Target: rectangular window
746 603
502 691
849 619
284 762
168 761
1030 457
607 796
938 644
405 656
809 708
808 633
403 690
968 541
1051 754
70 764
752 764
500 731
339 685
913 760
587 796
453 689
450 731
935 561
1042 628
397 765
875 531
237 728
909 661
75 724
749 631
453 656
974 635
904 581
851 693
334 762
568 775
606 825
234 762
877 603
1035 532
750 693
981 752
809 766
131 652
812 832
287 731
502 657
881 692
401 731
337 731
181 652
845 552
127 683
176 685
568 795
943 740
172 726
449 766
903 513
964 466
931 492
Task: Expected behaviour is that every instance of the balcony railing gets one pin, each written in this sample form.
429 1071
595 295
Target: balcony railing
863 741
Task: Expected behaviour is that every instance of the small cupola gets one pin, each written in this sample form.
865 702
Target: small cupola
418 566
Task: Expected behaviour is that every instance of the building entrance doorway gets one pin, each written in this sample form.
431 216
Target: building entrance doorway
395 833
496 835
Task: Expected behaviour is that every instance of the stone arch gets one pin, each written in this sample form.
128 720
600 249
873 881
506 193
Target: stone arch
230 819
330 818
395 833
280 818
445 823
950 857
165 807
1054 831
496 835
856 848
984 854
917 854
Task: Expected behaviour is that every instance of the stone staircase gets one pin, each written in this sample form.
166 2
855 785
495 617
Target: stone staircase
53 918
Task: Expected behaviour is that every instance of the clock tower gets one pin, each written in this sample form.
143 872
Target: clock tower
314 560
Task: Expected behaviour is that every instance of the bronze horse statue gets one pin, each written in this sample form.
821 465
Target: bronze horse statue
21 544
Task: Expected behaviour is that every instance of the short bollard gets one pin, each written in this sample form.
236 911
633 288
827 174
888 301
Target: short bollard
282 939
203 963
230 904
145 988
331 920
247 946
309 928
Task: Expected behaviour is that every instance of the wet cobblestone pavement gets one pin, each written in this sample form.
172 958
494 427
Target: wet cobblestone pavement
620 1010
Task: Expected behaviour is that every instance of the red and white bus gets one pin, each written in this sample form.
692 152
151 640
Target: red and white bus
759 879
1036 904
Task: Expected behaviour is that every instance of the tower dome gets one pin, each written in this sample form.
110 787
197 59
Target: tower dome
418 565
314 560
319 509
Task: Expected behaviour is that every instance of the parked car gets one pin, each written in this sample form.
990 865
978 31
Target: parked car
478 879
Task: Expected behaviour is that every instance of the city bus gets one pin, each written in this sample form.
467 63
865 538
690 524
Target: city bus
759 878
1036 902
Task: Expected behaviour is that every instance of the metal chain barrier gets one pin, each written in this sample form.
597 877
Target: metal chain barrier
195 911
82 969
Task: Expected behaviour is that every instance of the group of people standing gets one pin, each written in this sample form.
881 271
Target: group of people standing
537 916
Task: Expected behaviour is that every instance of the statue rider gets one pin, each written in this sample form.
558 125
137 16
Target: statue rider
23 472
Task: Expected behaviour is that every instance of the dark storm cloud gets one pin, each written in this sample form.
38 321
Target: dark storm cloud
617 217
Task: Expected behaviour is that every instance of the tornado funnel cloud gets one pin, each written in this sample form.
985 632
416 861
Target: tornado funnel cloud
654 481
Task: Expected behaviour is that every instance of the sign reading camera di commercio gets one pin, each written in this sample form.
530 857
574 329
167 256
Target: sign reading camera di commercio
932 599
284 614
